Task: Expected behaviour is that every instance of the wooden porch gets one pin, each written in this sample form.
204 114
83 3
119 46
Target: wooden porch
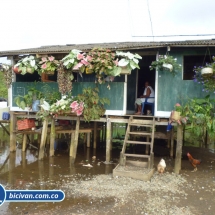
51 134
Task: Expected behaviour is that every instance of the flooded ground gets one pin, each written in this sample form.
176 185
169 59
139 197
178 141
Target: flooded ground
93 190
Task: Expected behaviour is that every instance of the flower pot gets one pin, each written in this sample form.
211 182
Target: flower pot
49 72
35 105
207 71
168 66
176 115
16 70
125 71
89 71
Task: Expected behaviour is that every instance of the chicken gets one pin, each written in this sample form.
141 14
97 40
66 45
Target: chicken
161 166
194 162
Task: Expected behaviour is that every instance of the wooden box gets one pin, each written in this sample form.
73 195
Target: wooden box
23 124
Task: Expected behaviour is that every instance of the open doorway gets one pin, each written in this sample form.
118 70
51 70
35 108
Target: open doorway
145 74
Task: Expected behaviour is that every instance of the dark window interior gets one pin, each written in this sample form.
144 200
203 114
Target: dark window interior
191 61
145 74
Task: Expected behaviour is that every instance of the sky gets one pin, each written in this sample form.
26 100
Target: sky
36 23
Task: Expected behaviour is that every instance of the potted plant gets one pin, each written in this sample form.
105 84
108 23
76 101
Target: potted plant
29 100
204 75
128 61
166 63
26 65
48 65
103 63
75 61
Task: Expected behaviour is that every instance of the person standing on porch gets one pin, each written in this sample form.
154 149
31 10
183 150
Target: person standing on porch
148 92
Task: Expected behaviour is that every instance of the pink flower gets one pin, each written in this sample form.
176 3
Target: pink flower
44 59
80 56
44 66
51 58
79 112
84 62
177 104
116 62
89 58
77 66
74 105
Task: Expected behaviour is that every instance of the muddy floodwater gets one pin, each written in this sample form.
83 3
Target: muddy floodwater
90 187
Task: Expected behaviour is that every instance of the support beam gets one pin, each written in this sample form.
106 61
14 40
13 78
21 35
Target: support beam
74 144
12 134
43 138
95 135
52 137
178 149
108 140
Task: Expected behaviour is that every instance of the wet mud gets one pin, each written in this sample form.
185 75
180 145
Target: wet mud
91 189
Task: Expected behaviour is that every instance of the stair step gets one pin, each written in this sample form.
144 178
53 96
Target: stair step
140 133
142 125
136 155
138 142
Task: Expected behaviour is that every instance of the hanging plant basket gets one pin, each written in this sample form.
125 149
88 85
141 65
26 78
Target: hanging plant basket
168 66
207 71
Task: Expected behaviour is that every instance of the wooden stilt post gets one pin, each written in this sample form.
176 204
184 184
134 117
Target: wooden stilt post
12 134
12 164
95 135
88 140
172 142
43 138
24 163
178 149
74 145
52 138
24 142
108 139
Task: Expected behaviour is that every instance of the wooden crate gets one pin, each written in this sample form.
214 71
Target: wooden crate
23 124
135 170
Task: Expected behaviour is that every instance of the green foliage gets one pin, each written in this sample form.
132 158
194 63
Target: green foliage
165 59
128 60
27 100
50 94
200 113
28 64
3 87
206 80
93 104
48 65
102 62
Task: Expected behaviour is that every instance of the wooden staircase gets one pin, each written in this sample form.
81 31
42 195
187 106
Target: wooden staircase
142 122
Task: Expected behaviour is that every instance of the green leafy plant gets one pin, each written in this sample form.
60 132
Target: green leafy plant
27 65
48 65
75 60
128 60
27 100
103 63
166 63
200 114
89 104
206 80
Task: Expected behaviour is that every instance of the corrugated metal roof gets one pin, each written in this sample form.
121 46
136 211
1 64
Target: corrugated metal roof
117 45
